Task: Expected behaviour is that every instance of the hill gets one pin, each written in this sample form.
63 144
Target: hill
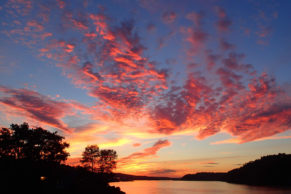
272 170
205 176
128 177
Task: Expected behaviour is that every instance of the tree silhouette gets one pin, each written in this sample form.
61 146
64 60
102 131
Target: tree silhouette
107 161
20 142
90 157
30 162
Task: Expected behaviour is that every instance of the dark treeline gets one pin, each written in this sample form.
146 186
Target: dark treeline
31 162
272 170
205 176
49 177
128 177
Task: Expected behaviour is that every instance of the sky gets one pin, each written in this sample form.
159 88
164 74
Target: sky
175 87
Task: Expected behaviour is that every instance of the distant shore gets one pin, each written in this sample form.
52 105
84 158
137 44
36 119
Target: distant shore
272 170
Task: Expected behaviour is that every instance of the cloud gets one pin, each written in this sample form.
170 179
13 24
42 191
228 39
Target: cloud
162 171
61 4
224 23
147 152
195 35
225 45
136 144
109 59
36 106
196 18
33 25
210 163
120 78
169 17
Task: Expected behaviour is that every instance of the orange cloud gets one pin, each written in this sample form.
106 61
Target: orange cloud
148 152
136 144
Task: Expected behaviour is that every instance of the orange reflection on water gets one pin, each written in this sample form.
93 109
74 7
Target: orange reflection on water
190 187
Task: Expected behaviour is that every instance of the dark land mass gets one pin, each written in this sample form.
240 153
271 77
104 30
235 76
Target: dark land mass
128 177
28 176
272 170
205 176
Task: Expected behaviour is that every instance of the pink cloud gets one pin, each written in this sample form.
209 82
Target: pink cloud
61 4
197 39
169 17
224 23
225 45
36 106
196 18
34 25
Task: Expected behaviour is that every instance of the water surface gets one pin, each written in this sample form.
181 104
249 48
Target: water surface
187 187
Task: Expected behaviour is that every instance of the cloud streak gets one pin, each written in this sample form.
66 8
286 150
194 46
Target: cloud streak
36 106
146 153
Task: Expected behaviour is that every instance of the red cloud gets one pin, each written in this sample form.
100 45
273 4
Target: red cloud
121 77
36 106
109 61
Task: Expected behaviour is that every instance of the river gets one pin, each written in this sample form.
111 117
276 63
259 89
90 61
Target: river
187 187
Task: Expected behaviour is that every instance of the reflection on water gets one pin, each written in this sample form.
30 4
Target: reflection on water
187 187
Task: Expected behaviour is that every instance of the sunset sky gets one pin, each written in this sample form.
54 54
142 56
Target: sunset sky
175 87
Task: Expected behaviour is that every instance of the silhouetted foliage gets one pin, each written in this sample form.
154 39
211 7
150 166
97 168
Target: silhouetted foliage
90 157
42 177
272 170
30 163
21 142
205 176
105 160
129 177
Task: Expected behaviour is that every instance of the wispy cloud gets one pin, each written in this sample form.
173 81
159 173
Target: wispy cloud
147 152
36 106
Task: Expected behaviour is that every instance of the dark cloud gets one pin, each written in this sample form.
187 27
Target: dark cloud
162 171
